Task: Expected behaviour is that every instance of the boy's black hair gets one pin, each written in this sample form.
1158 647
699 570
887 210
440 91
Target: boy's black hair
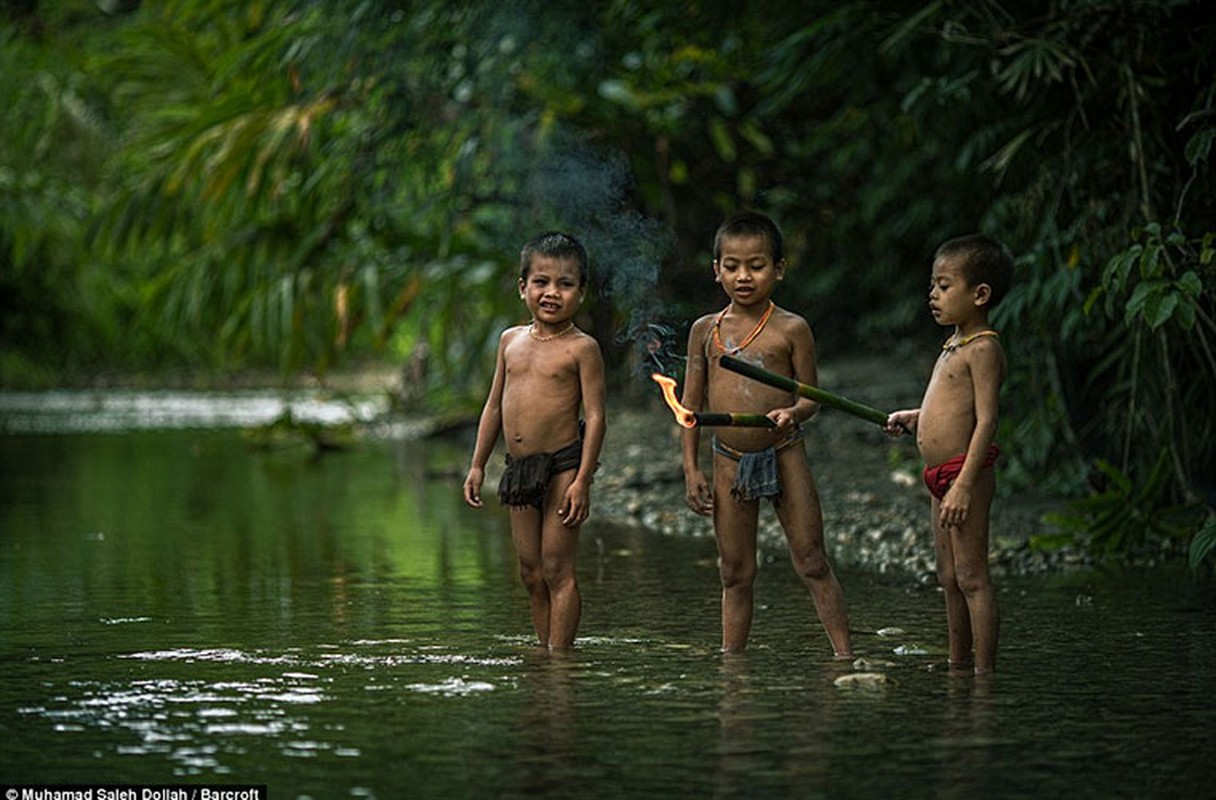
555 244
983 260
751 223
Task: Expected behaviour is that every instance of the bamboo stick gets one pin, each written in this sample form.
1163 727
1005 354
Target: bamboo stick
868 413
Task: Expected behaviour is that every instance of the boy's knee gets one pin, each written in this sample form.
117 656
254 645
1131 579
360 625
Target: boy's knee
812 564
557 572
531 575
736 573
971 583
968 582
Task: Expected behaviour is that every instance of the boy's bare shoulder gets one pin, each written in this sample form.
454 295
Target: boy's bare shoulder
585 341
512 332
790 322
699 332
988 347
509 336
788 317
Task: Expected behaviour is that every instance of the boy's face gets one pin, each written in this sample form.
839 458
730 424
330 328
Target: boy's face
552 290
952 298
746 270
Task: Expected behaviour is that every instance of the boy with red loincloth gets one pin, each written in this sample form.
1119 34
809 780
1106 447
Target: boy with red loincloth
545 372
753 463
955 430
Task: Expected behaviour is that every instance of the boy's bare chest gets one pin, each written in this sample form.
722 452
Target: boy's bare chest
951 378
730 391
532 368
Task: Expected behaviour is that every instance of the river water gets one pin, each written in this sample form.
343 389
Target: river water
176 607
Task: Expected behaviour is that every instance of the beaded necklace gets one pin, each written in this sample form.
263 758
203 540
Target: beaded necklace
952 344
550 337
768 312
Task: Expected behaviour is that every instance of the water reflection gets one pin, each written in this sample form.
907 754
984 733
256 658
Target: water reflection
548 747
783 723
739 755
967 737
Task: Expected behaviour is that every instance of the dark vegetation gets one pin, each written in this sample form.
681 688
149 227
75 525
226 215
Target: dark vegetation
210 186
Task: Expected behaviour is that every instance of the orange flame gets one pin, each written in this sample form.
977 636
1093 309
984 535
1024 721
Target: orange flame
683 416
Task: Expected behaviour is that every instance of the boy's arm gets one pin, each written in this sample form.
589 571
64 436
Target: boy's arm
697 492
986 363
488 429
576 506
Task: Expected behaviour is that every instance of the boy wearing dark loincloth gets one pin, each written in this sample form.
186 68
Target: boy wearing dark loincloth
753 463
545 372
955 430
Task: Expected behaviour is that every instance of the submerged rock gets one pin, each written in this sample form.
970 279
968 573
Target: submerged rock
910 650
862 680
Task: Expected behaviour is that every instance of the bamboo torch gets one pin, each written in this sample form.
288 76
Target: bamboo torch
705 419
868 413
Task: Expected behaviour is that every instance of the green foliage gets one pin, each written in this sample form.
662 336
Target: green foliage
52 304
1128 516
1159 275
221 184
1203 545
236 194
1160 290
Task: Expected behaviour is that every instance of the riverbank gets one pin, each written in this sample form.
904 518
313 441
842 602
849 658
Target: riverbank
876 511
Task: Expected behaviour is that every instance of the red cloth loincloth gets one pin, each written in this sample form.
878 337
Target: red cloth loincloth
939 478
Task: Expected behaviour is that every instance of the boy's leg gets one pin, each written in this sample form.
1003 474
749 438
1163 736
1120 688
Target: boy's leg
526 535
802 519
735 525
970 542
559 552
958 619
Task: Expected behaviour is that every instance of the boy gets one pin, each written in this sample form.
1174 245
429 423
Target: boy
753 463
544 373
955 427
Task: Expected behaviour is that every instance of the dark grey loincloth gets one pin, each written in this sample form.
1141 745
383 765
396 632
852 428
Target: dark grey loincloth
526 480
757 475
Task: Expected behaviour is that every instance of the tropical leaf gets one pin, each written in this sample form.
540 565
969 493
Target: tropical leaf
1203 545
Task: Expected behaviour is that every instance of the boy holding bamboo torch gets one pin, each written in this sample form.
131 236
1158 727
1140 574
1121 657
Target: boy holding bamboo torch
751 463
545 372
955 429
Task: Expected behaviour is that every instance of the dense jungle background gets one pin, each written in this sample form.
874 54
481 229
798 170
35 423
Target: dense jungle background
192 190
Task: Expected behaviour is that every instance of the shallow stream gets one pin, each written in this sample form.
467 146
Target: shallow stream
176 607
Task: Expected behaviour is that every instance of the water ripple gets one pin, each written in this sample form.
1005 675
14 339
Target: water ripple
221 655
452 687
